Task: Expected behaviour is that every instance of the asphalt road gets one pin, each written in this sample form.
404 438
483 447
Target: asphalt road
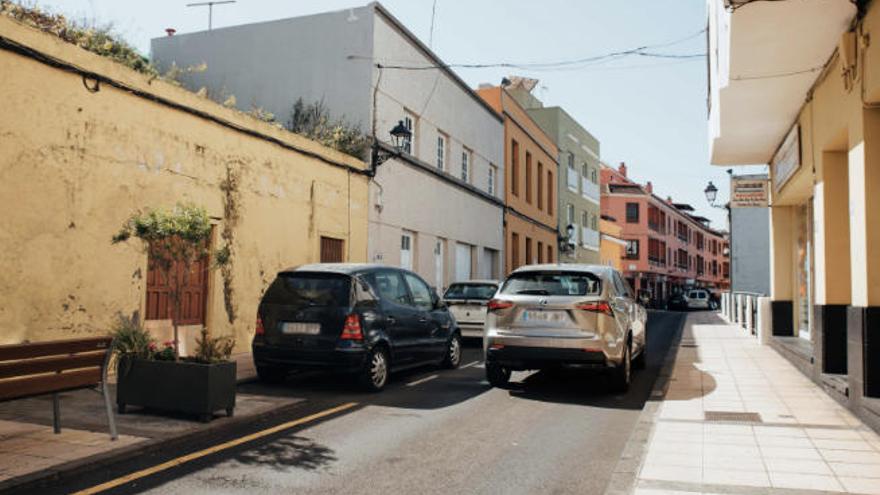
430 431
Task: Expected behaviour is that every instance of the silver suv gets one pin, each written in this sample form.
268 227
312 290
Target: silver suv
571 315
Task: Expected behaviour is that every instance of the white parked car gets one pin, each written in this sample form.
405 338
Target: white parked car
467 303
699 299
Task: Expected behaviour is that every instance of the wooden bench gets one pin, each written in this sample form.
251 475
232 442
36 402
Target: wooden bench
52 367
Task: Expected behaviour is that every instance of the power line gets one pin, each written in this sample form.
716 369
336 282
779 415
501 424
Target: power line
778 74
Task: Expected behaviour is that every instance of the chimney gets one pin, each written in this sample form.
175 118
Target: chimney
170 31
622 169
649 187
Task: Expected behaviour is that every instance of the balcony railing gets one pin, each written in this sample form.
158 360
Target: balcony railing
590 190
590 238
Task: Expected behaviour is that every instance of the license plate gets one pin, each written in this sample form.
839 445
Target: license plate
544 316
301 328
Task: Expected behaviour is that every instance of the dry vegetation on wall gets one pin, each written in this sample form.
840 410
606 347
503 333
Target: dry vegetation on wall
312 121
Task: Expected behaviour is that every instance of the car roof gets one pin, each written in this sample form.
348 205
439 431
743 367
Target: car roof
346 268
572 267
476 282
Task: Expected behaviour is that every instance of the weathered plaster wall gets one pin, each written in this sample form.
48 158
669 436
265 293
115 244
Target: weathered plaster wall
75 164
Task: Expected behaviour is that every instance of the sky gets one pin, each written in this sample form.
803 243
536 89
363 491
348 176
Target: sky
650 113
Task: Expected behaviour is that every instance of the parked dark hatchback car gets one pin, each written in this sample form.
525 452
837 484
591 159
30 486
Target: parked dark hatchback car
367 320
677 302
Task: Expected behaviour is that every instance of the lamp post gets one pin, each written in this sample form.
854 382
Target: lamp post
379 153
711 195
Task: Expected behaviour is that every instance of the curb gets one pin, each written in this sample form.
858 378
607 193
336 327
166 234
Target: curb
32 482
626 472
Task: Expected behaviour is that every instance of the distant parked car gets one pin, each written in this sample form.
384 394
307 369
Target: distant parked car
467 302
571 315
699 299
677 302
367 320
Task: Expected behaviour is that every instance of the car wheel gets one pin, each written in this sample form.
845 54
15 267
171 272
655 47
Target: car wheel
497 375
452 358
641 360
271 374
621 375
374 375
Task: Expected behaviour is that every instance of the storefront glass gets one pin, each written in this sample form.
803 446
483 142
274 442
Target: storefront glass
804 269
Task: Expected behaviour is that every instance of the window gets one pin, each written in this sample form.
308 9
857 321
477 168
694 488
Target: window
471 291
593 176
421 294
549 254
572 175
514 251
406 251
332 250
493 174
529 260
552 283
569 214
441 151
529 184
594 222
514 168
540 186
409 121
550 192
540 252
390 287
465 165
632 250
632 213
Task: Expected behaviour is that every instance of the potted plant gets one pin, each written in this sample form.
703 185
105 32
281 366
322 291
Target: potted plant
156 376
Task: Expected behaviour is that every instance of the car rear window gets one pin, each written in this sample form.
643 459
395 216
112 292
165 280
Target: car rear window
552 283
470 291
310 289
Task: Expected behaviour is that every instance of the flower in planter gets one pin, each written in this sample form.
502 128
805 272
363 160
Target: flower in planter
166 353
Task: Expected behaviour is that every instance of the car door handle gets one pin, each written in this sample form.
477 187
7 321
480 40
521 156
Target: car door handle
423 320
391 320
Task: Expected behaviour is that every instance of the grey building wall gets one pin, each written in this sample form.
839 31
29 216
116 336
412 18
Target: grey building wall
271 64
451 219
750 249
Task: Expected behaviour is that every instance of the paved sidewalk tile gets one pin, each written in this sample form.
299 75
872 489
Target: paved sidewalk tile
738 418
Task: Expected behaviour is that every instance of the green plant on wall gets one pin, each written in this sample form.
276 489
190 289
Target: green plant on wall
314 122
173 239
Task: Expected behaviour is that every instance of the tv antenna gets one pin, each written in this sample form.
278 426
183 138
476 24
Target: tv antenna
210 6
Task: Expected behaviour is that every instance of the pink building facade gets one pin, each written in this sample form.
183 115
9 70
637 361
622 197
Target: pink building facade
669 247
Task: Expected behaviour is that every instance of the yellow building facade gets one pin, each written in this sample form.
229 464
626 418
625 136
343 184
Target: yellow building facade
84 146
611 246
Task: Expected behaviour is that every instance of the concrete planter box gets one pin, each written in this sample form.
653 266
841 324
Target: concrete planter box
182 387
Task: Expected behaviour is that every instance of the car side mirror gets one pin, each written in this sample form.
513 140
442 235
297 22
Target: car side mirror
436 302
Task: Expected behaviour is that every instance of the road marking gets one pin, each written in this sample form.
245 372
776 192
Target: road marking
470 364
422 380
211 450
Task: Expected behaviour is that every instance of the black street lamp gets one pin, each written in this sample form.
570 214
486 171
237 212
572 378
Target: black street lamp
566 244
711 193
379 153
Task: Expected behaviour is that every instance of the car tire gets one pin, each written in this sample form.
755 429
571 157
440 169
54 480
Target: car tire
452 356
271 375
497 375
622 374
641 360
374 375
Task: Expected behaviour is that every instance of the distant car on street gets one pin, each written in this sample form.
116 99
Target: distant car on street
699 299
467 302
365 320
546 316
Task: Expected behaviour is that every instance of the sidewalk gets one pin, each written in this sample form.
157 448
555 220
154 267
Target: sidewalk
30 450
738 418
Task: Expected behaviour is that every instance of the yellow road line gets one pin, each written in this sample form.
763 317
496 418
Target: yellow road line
211 450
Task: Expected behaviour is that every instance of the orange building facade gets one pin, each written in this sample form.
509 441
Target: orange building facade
531 169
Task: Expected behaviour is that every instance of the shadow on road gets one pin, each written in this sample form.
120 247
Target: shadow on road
292 451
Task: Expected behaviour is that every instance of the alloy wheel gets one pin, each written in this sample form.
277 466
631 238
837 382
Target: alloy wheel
378 369
454 351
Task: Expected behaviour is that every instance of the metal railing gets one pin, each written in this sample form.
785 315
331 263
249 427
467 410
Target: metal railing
741 308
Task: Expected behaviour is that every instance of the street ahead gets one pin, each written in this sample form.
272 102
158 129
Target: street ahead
430 431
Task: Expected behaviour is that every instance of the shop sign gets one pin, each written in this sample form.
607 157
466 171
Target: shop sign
749 193
787 159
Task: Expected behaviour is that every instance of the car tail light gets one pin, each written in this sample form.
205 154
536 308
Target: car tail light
596 307
495 304
259 329
351 330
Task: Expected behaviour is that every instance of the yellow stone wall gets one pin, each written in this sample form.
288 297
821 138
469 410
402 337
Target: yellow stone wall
75 164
